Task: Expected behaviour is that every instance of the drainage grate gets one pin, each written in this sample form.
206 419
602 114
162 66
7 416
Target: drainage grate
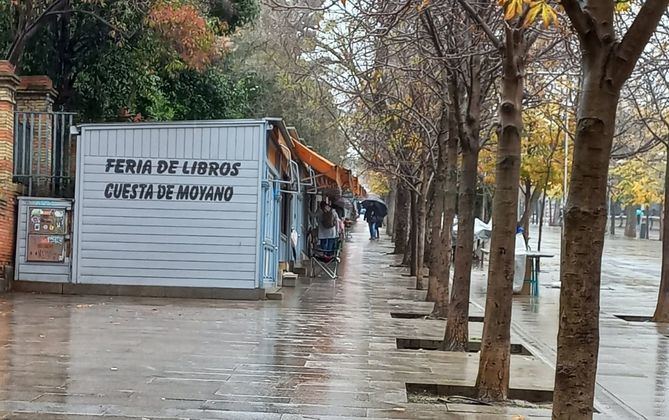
415 315
635 318
473 346
409 315
418 392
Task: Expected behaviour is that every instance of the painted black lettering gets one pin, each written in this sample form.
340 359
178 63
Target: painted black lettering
142 190
209 196
161 192
229 192
162 167
108 189
182 192
147 167
118 188
225 168
202 168
149 192
170 192
173 166
213 168
118 167
235 168
110 163
218 194
133 191
184 168
130 165
126 191
193 193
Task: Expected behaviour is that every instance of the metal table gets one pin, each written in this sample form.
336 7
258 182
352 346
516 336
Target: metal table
533 258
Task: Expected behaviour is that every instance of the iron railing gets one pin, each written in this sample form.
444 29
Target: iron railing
44 153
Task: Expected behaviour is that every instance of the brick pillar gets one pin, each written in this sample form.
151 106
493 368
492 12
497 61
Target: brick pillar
35 96
8 190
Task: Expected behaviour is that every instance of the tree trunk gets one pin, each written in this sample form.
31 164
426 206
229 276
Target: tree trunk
435 227
493 375
413 236
556 213
630 225
429 220
662 308
392 201
420 237
402 204
439 256
525 218
647 221
606 64
486 207
582 245
662 206
612 228
541 220
442 265
530 200
456 337
406 260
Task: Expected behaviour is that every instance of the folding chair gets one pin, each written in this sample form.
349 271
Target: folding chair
327 260
348 225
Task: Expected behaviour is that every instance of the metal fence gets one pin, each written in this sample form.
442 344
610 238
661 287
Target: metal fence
44 153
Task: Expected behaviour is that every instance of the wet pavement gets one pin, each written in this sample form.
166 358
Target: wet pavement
633 369
328 350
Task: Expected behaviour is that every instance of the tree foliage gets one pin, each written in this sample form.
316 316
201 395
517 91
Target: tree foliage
156 59
639 181
275 53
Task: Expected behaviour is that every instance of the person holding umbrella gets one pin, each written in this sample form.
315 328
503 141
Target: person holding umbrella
376 210
370 218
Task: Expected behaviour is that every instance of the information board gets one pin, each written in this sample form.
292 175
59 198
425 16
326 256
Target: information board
47 230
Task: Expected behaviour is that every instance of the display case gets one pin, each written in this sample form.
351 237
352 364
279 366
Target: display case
47 234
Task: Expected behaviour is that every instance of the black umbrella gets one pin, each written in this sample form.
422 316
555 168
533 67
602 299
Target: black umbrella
342 203
375 203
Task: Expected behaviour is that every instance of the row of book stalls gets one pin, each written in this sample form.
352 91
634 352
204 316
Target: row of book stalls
216 209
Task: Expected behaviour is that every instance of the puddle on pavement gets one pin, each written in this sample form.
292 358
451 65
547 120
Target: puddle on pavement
458 394
423 315
473 346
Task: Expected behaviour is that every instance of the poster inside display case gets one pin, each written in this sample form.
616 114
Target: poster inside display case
47 234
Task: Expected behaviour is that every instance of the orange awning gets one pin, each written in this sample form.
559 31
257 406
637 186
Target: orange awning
318 162
335 175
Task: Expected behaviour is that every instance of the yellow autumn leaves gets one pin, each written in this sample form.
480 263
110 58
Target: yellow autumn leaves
530 11
639 180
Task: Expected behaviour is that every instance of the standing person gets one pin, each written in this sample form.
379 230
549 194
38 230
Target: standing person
328 227
370 217
379 224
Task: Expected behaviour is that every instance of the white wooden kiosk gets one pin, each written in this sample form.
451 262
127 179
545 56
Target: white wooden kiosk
165 209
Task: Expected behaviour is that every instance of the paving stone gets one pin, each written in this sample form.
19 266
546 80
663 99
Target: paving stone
326 351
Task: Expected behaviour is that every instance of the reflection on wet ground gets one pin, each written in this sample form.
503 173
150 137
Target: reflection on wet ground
632 369
328 350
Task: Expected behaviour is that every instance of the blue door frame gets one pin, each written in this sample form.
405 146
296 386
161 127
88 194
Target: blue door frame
270 231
